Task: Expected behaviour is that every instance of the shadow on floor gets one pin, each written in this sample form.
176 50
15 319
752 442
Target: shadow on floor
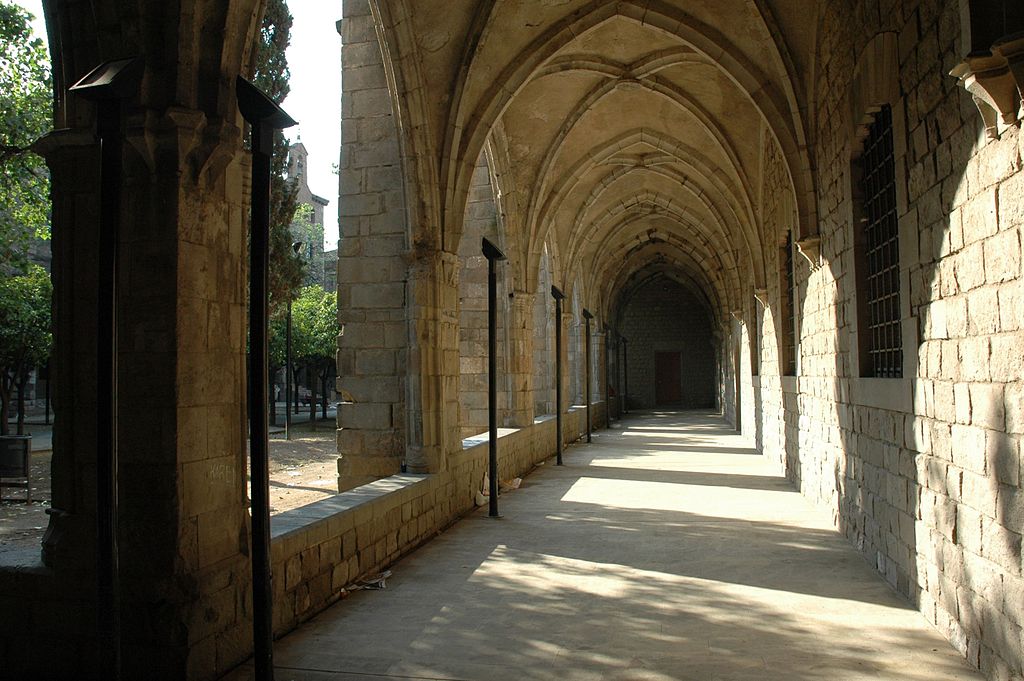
603 572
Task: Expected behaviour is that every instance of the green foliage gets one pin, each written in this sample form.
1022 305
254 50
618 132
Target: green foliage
25 337
305 229
315 326
287 269
272 73
26 100
276 342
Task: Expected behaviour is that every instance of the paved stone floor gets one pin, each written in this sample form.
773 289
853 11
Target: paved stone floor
667 549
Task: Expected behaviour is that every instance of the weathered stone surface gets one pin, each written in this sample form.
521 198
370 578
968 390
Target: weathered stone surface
649 144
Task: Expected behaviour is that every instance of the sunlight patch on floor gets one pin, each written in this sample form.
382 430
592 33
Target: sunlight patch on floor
649 595
702 500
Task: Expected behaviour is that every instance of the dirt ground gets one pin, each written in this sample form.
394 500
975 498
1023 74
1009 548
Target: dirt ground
302 470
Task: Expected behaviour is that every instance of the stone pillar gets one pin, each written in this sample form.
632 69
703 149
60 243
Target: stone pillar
568 370
472 371
520 365
434 362
373 348
181 394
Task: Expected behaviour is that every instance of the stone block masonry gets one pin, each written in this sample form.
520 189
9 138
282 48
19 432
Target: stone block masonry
922 473
665 318
373 291
320 549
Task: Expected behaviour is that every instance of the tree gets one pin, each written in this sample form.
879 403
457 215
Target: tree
275 359
25 337
287 269
26 100
315 332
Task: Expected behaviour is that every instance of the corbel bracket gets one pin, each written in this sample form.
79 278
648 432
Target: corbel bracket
810 249
996 82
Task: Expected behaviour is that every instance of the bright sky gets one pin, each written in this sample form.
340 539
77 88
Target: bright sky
314 59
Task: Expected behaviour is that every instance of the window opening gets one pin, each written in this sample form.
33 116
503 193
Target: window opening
788 310
882 345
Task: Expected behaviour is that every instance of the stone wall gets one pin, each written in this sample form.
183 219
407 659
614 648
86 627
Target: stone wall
923 473
481 220
544 343
321 548
373 350
663 316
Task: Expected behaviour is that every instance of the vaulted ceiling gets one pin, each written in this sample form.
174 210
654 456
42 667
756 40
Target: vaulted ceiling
627 136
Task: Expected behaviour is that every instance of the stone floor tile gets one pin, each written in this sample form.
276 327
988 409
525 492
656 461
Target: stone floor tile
662 551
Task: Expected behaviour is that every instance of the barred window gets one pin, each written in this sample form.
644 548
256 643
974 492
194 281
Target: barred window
880 328
788 347
755 341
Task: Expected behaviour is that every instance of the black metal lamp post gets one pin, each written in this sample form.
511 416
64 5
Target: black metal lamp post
607 377
493 255
46 408
288 373
625 376
586 399
557 294
109 85
265 117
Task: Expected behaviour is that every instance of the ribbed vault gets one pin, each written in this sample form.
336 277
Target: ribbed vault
623 136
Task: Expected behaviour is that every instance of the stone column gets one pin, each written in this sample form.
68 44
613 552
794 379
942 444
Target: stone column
434 361
568 396
520 364
373 274
181 392
600 353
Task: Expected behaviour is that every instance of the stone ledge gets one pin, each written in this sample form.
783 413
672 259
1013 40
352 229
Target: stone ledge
22 561
893 394
318 550
299 519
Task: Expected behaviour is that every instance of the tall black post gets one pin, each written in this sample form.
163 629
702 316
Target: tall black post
625 376
109 84
265 117
493 255
108 262
607 377
288 372
587 316
557 294
47 403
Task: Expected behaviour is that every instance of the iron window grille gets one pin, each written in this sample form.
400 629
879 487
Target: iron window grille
788 310
879 258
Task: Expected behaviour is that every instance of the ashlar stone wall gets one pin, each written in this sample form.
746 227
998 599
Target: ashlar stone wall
922 473
663 316
544 342
481 220
373 348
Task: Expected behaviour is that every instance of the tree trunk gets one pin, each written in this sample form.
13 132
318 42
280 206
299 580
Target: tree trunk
323 385
312 397
272 399
22 381
5 401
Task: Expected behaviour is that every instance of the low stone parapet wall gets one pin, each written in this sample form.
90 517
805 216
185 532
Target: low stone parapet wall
321 548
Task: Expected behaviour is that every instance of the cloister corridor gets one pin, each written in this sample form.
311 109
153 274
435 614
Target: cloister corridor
665 549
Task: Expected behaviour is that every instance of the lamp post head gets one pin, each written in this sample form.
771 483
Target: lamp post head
491 252
556 293
117 79
587 315
258 108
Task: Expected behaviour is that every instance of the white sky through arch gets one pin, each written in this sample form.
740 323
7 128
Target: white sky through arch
314 59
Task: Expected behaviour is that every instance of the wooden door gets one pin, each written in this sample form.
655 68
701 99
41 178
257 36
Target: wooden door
668 378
